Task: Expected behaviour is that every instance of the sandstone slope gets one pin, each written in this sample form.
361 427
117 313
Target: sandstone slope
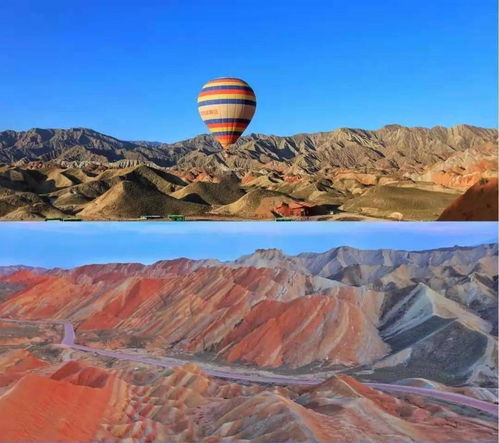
478 203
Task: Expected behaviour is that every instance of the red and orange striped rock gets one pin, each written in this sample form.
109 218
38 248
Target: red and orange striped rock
246 314
80 402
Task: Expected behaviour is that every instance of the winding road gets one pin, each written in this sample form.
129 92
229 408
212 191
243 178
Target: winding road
68 340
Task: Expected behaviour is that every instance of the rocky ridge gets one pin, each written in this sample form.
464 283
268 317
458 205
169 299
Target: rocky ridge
391 147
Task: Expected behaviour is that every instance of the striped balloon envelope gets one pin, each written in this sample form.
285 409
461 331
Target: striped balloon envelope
226 106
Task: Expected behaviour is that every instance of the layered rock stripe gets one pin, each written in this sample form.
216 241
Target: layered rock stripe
225 304
75 401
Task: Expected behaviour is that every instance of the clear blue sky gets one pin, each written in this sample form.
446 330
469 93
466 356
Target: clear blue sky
133 69
71 244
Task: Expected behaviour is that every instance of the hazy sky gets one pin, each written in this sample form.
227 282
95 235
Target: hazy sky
62 244
133 69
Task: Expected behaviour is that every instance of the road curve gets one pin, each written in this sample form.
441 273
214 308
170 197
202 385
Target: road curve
68 340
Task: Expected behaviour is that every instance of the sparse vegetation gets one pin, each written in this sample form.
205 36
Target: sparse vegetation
45 351
136 341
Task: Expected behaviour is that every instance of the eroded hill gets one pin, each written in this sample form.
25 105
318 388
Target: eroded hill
392 173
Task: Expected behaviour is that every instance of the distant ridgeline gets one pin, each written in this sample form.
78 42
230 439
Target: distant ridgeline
390 147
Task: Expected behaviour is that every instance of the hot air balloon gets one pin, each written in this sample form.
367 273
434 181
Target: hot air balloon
226 106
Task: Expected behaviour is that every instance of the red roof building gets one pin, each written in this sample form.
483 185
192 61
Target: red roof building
295 209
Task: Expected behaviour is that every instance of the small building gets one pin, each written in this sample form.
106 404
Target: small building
294 209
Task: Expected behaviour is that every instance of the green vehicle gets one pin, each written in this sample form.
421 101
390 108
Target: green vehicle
174 217
282 219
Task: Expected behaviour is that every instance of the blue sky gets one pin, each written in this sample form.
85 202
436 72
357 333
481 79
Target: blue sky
71 244
133 69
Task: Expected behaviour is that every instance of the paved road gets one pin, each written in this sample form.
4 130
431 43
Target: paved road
69 338
441 395
167 362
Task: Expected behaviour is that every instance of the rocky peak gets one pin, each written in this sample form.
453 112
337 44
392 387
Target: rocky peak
394 145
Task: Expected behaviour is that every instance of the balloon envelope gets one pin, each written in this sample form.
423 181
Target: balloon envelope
226 106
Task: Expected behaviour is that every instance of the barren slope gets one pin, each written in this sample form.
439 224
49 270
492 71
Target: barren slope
479 203
76 401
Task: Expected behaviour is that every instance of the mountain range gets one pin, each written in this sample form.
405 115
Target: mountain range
393 173
371 306
391 147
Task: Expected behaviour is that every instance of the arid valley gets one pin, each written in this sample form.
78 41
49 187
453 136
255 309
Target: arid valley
393 173
345 345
